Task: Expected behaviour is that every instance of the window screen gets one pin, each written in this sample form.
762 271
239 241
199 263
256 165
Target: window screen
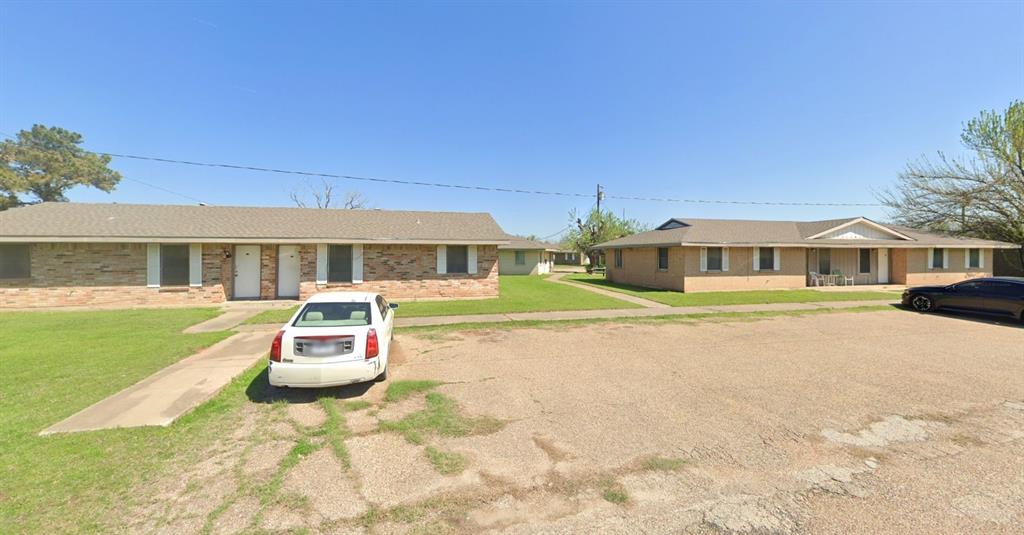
937 258
865 261
458 259
618 258
339 263
825 261
974 256
520 258
714 259
662 257
173 265
766 259
15 262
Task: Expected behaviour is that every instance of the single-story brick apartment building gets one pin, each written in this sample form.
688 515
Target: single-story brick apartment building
77 254
697 255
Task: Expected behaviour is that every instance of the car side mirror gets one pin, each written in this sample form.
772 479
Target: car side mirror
393 306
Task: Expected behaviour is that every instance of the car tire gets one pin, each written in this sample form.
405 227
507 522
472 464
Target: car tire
922 303
382 377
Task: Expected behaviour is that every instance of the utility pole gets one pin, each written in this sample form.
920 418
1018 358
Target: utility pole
600 195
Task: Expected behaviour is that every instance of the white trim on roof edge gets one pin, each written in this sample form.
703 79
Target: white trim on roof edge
826 245
865 221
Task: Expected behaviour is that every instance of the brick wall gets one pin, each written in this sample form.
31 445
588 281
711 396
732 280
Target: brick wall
114 274
898 258
407 272
640 268
741 275
268 272
918 274
100 274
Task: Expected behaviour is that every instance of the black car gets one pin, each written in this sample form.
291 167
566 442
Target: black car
1003 296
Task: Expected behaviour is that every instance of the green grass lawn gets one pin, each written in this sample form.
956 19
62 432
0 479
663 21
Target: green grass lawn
57 363
519 293
680 299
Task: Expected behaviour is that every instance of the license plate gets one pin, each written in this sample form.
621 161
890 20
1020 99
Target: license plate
320 350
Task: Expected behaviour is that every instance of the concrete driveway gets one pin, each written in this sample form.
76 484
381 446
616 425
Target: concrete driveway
884 422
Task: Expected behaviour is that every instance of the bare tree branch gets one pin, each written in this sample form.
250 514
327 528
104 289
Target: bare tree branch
324 196
982 196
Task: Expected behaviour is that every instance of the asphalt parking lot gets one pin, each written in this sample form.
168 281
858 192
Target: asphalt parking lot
875 422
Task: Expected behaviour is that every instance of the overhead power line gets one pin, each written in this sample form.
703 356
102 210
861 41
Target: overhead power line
161 188
345 177
473 187
553 234
601 194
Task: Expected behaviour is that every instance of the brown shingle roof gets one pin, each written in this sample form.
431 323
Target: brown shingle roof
137 222
783 233
522 244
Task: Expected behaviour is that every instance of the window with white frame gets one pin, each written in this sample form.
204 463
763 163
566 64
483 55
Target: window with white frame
520 258
825 261
974 258
663 258
766 258
937 261
458 259
714 256
339 263
174 264
865 261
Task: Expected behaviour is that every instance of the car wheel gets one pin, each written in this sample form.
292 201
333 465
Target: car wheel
383 376
921 303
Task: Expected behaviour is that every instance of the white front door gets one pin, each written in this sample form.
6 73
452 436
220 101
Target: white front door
883 266
247 271
288 271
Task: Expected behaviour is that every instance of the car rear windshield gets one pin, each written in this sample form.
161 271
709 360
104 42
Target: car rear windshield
334 315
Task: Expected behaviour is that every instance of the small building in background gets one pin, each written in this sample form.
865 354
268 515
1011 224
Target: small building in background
569 257
525 257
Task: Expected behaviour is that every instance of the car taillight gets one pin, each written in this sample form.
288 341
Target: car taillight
275 347
372 346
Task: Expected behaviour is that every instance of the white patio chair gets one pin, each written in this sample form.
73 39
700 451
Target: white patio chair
849 280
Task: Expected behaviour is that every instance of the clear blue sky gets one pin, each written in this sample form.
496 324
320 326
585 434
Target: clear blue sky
769 102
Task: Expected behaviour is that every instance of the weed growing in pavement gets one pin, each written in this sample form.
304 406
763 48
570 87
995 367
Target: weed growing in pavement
441 417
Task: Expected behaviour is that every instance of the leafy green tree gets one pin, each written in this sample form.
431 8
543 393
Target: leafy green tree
979 196
599 227
44 162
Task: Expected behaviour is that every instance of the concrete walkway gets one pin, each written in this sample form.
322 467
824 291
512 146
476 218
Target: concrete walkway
171 392
230 318
625 313
557 277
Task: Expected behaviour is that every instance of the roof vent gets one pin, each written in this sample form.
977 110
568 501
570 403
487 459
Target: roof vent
671 224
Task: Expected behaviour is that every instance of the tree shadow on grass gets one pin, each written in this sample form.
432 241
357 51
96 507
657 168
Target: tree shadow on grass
260 391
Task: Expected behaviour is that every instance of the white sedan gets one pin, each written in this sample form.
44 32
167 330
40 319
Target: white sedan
336 338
